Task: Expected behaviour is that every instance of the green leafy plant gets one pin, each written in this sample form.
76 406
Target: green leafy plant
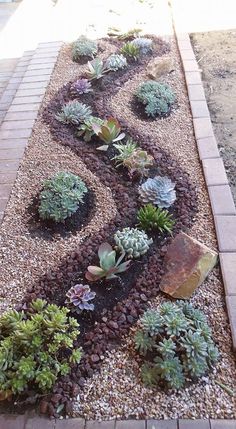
108 132
86 129
96 69
84 47
129 35
158 98
61 196
125 150
130 51
159 191
36 347
138 162
173 343
116 62
151 217
74 113
132 241
109 267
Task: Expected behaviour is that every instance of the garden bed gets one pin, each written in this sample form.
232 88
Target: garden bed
38 264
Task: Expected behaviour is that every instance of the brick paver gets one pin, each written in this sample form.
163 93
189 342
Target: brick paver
214 171
199 109
21 116
231 307
71 424
39 423
28 99
92 424
221 198
193 78
24 107
30 92
9 154
12 143
202 127
208 148
130 424
15 134
162 424
17 124
11 421
194 424
226 233
228 268
223 424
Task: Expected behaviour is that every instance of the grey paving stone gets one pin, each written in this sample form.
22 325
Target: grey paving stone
231 307
202 127
36 78
10 421
223 424
194 424
15 134
130 424
221 198
30 92
40 423
208 148
199 109
5 190
187 54
8 167
193 78
91 424
21 116
226 232
12 143
162 424
6 177
24 107
228 269
70 424
190 65
39 72
16 125
214 172
28 99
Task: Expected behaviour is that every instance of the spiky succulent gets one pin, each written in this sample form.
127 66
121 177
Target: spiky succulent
159 191
109 267
109 131
132 241
84 47
61 196
80 86
86 129
74 113
96 69
156 97
130 51
129 35
144 44
125 150
116 62
173 344
78 297
138 162
151 218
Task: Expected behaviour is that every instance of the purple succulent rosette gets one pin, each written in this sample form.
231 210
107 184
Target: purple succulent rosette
78 298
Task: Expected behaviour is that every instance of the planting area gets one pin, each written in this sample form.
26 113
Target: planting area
102 191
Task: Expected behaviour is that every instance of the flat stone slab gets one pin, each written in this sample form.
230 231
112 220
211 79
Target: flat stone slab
226 232
162 424
228 269
231 307
194 424
222 202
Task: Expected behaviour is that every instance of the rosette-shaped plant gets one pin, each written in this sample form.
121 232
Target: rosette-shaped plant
86 129
144 44
74 113
78 297
80 86
138 162
159 191
156 97
116 62
109 132
132 241
96 69
84 47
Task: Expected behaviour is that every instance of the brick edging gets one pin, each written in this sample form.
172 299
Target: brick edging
222 204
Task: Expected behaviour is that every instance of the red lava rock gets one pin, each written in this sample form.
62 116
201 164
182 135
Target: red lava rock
55 398
94 358
113 325
43 407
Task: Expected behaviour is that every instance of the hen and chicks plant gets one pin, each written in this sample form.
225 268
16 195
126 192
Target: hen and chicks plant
116 62
36 348
157 98
78 297
84 47
74 113
133 242
159 191
176 344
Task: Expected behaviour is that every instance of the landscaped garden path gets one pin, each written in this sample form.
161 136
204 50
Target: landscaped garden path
117 160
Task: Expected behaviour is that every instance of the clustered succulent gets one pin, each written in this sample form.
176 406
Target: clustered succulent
138 162
36 347
151 218
144 45
176 343
80 86
125 150
116 62
84 47
109 132
157 98
61 196
109 267
74 113
160 191
86 129
133 242
130 51
78 297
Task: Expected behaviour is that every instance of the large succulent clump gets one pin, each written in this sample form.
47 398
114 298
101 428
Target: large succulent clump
61 196
132 241
80 86
116 62
176 344
159 191
144 44
157 98
78 297
74 113
84 47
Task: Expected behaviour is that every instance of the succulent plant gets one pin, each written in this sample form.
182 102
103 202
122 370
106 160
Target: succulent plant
86 129
78 297
144 45
125 151
151 217
96 69
84 47
61 196
108 132
159 191
157 98
130 51
109 267
129 35
116 62
132 241
138 162
80 86
74 113
174 346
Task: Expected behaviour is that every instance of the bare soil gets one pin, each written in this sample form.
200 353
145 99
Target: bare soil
216 55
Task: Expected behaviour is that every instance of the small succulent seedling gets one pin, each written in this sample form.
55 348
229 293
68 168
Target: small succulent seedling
109 267
129 35
86 129
109 132
144 45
